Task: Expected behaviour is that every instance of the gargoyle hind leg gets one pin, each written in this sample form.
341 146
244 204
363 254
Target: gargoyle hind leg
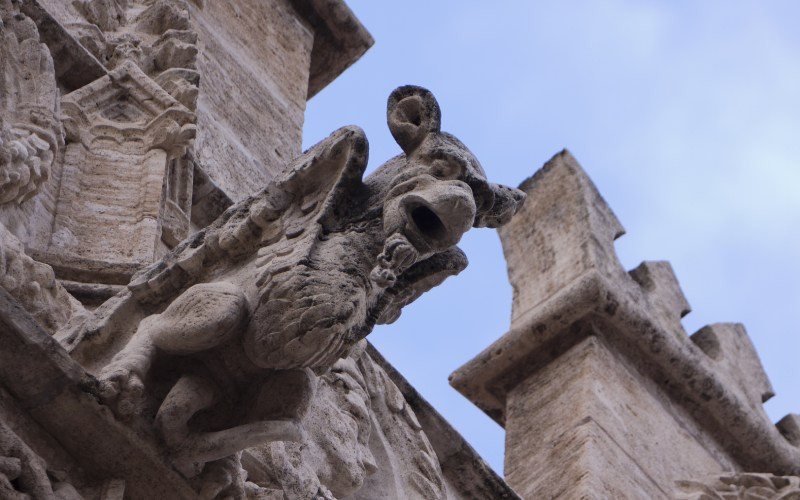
189 395
203 317
199 449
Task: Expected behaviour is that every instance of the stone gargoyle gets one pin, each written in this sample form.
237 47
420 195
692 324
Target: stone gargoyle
218 344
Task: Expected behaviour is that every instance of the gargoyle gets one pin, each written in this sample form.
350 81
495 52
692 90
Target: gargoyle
219 342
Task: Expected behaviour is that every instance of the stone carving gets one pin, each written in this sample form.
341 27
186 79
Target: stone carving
34 285
741 486
125 134
408 464
127 108
24 474
151 45
362 440
30 131
220 343
106 14
333 458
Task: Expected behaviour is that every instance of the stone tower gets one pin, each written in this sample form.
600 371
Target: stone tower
601 391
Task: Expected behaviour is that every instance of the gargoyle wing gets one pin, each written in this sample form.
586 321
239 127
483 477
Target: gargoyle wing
326 172
307 191
274 218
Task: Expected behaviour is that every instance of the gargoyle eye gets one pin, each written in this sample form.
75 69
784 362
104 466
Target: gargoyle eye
446 168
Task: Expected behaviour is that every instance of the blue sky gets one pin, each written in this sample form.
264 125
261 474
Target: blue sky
685 114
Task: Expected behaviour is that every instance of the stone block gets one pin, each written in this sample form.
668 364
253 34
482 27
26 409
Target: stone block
585 413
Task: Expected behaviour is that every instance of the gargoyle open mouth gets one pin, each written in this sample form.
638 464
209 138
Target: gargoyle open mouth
427 223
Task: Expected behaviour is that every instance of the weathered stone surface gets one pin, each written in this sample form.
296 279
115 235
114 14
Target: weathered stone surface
234 367
209 201
109 180
597 373
30 131
260 131
293 59
291 280
124 131
23 473
385 455
465 474
74 65
740 486
34 285
30 121
339 40
579 422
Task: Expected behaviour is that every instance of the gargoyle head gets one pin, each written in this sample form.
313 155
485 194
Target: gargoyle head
436 190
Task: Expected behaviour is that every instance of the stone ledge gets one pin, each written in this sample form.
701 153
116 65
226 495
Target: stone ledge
61 397
339 40
79 269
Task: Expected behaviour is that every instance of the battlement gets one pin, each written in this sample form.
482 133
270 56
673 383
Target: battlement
592 343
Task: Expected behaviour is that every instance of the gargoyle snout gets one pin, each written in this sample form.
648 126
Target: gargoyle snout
438 215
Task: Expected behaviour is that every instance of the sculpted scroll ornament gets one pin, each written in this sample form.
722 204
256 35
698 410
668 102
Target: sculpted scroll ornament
221 344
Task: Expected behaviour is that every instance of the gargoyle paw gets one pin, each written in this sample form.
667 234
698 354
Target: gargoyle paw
123 385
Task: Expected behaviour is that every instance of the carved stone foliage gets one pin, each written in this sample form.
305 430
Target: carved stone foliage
361 441
34 285
406 463
154 34
333 457
741 486
30 131
221 345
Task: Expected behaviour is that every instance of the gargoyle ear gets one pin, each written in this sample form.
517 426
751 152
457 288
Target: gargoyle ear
507 202
412 114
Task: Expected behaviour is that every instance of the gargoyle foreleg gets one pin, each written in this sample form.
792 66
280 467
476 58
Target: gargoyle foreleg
122 379
223 479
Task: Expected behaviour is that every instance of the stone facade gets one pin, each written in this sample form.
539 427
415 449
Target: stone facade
185 296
